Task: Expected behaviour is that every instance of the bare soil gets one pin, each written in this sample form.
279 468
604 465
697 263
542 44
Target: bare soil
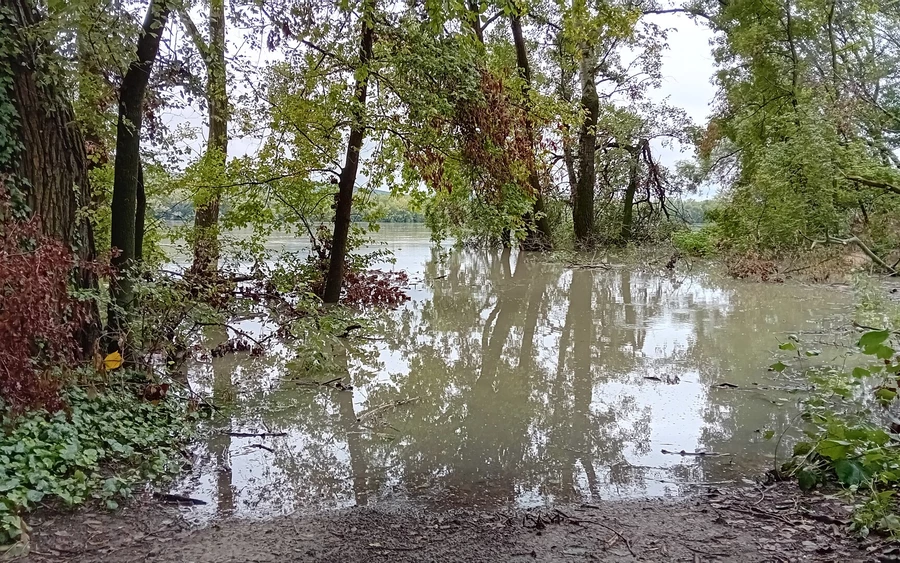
775 523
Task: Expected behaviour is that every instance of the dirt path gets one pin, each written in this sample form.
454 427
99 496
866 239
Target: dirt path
774 524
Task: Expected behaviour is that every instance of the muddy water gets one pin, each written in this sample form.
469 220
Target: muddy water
527 383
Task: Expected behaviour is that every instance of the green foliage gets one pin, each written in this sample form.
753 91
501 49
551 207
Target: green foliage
100 448
850 433
701 242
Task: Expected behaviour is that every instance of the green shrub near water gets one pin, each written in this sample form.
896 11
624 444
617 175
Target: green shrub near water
851 429
701 242
98 448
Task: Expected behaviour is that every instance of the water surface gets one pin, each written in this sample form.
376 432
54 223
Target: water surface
528 383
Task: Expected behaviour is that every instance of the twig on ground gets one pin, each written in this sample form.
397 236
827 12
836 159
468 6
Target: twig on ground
602 525
256 434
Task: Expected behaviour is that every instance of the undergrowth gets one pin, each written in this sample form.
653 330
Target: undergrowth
852 429
98 448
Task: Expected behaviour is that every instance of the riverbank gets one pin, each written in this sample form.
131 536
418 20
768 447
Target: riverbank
763 523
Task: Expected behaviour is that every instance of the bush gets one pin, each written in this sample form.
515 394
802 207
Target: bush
39 317
702 242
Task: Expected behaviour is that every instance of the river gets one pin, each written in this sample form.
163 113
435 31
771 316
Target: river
528 383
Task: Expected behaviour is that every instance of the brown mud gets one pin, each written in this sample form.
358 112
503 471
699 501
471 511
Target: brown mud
775 523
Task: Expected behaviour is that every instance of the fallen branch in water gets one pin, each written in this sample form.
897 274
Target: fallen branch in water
702 454
255 434
262 447
384 407
852 240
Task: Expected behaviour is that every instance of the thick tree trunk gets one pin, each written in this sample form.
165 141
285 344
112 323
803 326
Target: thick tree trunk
50 160
583 198
628 202
127 166
538 237
335 277
206 220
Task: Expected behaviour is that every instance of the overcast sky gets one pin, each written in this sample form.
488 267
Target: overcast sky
687 72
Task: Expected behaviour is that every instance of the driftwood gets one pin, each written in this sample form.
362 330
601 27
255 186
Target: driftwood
256 434
384 407
860 244
177 499
701 454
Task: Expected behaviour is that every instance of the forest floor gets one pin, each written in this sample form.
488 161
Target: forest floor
775 523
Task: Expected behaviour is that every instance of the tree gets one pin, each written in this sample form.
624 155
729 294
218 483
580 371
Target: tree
347 181
538 226
128 162
212 52
42 151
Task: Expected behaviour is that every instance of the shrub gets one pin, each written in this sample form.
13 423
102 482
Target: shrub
696 243
39 317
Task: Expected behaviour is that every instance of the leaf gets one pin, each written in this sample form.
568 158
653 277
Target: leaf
778 366
787 346
859 373
767 435
812 353
33 495
113 361
885 395
850 472
833 449
807 479
802 448
9 484
873 338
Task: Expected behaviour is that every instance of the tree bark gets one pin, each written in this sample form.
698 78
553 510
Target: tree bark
538 236
335 277
206 219
583 198
50 161
127 165
628 202
140 216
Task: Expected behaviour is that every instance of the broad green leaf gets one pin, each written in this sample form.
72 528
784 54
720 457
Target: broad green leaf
9 484
859 373
767 435
850 472
873 338
778 366
802 448
833 449
787 346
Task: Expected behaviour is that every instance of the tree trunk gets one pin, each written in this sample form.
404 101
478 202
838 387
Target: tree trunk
127 166
628 202
538 236
140 216
206 219
335 277
583 198
50 159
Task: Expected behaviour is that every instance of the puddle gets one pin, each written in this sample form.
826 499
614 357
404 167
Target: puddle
528 383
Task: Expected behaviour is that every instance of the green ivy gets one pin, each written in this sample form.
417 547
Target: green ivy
100 449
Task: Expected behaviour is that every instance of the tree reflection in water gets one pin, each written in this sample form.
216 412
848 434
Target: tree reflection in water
533 383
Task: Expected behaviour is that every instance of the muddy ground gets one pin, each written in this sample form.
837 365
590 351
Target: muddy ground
776 523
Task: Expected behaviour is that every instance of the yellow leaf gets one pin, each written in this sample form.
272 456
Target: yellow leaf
113 360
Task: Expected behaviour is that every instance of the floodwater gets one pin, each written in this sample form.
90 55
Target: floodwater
522 382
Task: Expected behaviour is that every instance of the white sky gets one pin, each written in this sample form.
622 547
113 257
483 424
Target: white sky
687 71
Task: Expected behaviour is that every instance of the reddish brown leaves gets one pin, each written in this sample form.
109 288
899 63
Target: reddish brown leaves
38 316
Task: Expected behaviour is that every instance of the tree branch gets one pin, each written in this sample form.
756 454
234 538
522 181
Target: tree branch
195 35
874 183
